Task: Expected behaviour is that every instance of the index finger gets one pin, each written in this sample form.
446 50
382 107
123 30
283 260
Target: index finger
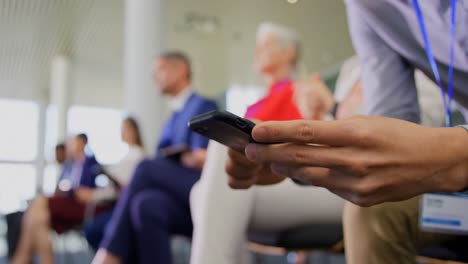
332 133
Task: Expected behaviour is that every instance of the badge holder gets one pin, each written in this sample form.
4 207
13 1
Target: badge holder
444 213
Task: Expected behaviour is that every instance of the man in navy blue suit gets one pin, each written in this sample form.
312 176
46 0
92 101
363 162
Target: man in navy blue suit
155 205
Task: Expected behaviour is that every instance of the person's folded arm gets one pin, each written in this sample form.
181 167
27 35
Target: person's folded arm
313 98
84 194
108 193
194 159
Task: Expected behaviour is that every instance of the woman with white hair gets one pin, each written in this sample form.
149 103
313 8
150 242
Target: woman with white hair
222 216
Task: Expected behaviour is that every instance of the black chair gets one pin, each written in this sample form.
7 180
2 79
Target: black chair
453 250
299 243
13 221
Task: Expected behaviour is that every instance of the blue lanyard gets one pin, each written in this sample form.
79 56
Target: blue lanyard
430 57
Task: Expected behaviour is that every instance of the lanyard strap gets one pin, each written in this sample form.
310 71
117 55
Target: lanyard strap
430 56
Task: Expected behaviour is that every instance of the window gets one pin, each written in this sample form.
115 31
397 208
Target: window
19 133
19 140
18 184
51 121
18 152
51 176
102 125
249 95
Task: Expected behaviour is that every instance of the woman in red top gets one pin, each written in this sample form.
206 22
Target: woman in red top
222 216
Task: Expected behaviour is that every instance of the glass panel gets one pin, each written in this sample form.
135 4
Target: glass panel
51 176
249 95
17 185
102 125
19 133
51 133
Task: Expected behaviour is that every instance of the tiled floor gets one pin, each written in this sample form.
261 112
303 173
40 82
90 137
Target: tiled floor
182 254
71 248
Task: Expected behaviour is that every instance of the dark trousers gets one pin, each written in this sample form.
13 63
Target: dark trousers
153 207
14 221
94 230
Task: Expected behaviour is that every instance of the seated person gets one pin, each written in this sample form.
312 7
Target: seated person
64 210
60 154
222 216
155 204
348 95
119 175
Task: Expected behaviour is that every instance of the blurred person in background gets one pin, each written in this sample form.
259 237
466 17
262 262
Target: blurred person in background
348 95
155 204
222 217
14 220
64 210
60 153
119 175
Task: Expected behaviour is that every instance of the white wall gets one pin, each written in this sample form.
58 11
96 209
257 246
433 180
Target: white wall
89 85
97 86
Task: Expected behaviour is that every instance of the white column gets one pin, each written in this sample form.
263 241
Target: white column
59 99
144 36
60 93
41 160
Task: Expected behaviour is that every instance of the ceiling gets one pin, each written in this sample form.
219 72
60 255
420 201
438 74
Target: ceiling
218 35
33 31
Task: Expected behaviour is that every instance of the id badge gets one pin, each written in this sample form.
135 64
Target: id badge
444 213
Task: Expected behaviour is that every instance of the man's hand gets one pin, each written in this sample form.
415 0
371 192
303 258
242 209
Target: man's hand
194 159
84 194
366 160
244 173
313 98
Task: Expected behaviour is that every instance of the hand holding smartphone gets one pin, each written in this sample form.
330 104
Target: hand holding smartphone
236 133
225 128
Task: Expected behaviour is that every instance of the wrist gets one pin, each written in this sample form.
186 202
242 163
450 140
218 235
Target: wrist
456 140
464 169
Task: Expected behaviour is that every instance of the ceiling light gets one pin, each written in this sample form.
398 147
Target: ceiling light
292 1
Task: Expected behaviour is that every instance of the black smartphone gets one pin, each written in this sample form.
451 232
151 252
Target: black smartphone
225 128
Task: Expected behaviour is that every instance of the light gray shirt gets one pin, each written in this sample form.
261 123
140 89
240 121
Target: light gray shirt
388 41
430 101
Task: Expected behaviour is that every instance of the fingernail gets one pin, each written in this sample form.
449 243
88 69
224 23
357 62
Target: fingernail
278 168
251 152
261 132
